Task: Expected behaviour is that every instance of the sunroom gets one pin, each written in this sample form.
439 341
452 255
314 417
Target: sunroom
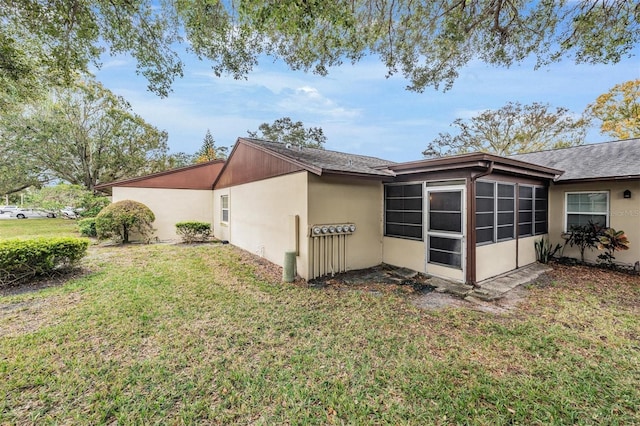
465 218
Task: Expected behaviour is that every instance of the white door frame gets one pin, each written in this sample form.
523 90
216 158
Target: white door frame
438 269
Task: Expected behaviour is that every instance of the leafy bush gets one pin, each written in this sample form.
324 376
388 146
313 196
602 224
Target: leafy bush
118 220
193 231
610 241
21 260
88 227
584 237
544 250
91 205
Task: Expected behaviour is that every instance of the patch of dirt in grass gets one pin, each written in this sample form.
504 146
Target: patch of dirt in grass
18 318
55 279
264 269
614 287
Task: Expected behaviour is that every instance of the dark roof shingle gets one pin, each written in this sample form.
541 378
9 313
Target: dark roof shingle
326 160
607 160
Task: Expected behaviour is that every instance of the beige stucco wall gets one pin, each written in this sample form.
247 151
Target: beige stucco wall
624 214
527 249
260 217
406 253
170 206
495 259
334 200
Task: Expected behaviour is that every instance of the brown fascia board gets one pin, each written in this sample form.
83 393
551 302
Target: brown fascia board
475 160
308 167
153 175
314 170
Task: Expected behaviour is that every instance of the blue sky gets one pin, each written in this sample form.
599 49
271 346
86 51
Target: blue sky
359 110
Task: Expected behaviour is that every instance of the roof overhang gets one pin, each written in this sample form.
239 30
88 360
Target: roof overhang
480 161
598 179
155 175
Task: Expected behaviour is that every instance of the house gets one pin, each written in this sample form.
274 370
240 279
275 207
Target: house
466 218
452 217
175 195
600 183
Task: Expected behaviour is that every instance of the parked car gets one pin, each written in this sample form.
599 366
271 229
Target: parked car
71 212
25 213
8 209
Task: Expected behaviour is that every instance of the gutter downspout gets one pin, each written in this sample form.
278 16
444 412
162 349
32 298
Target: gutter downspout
471 229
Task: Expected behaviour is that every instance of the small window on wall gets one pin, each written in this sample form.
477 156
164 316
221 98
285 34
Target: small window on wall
403 211
584 207
224 208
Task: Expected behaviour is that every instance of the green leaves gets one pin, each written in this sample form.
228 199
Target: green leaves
83 135
22 260
618 110
427 41
118 220
209 151
512 129
284 130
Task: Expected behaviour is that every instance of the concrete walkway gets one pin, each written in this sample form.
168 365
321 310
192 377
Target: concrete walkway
493 288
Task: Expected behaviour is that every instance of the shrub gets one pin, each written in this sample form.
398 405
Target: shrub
88 227
610 241
544 250
193 231
91 205
118 220
584 237
21 260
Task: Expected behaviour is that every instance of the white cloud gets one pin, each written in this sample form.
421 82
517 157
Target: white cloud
309 100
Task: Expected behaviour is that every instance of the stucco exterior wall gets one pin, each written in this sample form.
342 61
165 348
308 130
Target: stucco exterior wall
334 200
405 253
260 217
624 214
170 206
495 259
527 249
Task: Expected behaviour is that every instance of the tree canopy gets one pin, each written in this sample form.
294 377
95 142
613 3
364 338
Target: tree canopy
427 41
512 129
209 151
286 130
618 110
82 135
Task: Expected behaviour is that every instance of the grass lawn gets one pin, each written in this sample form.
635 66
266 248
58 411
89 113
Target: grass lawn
29 228
175 334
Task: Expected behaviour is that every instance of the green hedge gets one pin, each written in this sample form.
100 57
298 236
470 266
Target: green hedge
22 260
192 231
87 227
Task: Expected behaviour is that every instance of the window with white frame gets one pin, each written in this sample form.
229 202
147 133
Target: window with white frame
224 208
584 207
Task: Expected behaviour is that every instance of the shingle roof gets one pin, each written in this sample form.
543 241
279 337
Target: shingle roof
607 160
323 160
